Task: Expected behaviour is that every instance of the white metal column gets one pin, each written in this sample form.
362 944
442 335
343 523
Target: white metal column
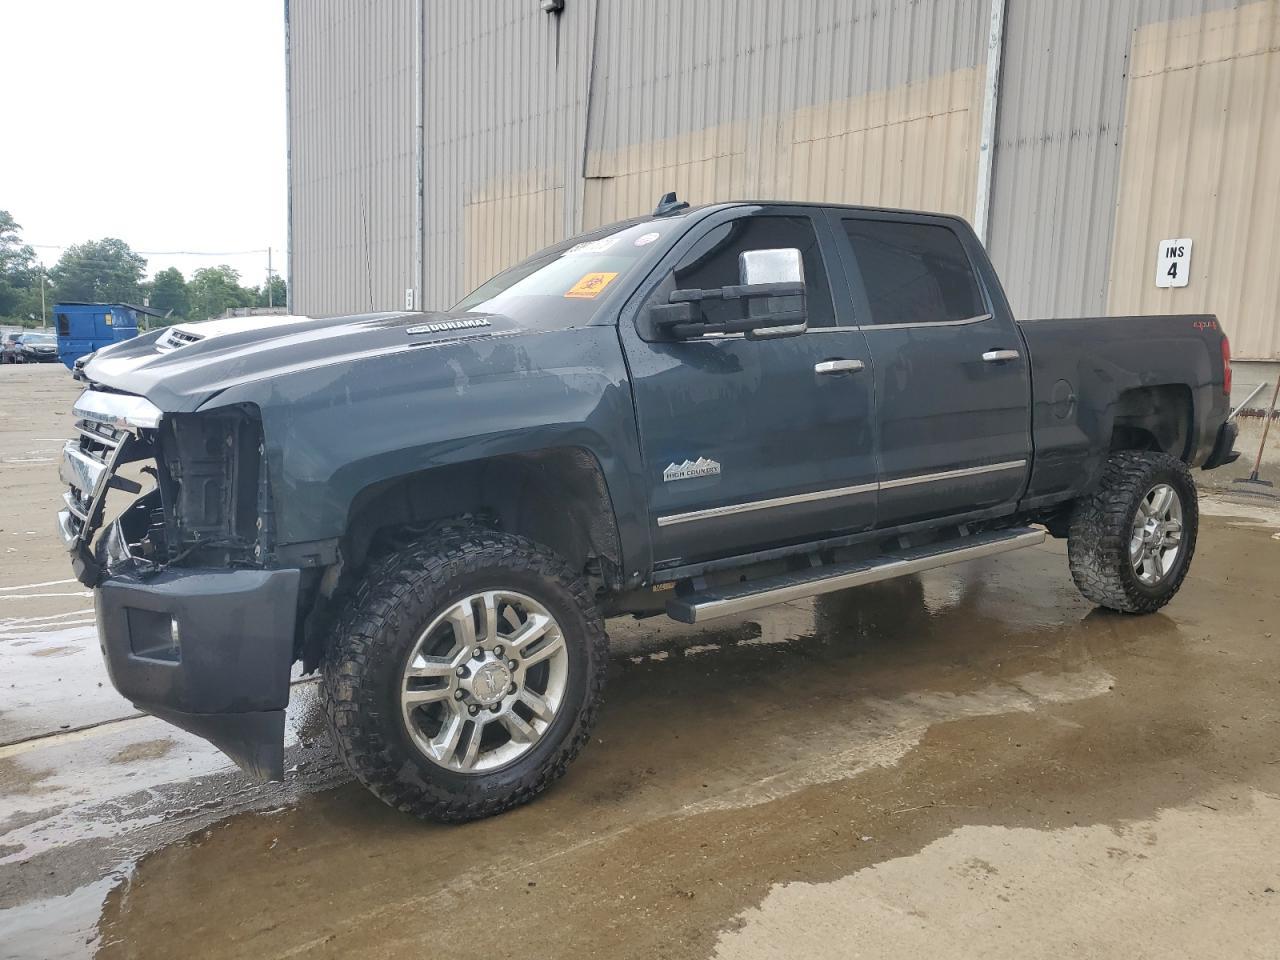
990 110
414 300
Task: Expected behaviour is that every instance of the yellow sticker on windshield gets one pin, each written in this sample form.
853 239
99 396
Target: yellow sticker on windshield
591 285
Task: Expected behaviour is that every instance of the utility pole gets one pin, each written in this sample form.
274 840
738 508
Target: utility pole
44 313
270 298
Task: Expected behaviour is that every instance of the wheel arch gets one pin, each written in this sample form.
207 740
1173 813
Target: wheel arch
1156 418
558 497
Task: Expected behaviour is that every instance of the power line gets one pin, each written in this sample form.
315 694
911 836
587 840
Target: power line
162 253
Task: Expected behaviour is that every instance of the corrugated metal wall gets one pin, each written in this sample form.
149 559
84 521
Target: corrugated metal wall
554 124
1201 160
873 101
506 115
1057 152
1061 192
351 173
538 126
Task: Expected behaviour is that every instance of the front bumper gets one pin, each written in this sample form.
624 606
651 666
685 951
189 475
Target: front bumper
1224 451
208 650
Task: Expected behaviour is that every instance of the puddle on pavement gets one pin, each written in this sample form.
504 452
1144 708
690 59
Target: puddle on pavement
57 927
807 742
130 777
87 806
53 677
729 758
1261 512
1000 893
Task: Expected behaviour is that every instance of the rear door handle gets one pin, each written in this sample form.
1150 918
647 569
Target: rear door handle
995 356
838 366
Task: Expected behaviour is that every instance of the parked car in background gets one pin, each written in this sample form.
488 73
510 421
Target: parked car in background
9 347
37 348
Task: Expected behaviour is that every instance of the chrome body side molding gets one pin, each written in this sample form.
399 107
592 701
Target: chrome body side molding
736 508
951 474
751 505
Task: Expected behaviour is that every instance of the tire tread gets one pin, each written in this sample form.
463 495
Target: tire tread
1101 523
394 587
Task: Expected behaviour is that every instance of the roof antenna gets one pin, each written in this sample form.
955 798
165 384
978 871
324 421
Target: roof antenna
669 205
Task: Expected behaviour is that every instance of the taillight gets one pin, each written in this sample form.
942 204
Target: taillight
1226 365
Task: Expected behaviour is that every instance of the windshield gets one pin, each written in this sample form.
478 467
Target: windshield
564 285
38 339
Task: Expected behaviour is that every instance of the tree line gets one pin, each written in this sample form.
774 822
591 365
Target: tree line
108 271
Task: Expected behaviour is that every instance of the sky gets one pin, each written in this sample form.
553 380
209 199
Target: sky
160 122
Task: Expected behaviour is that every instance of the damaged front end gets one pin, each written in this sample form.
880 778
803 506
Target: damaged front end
169 518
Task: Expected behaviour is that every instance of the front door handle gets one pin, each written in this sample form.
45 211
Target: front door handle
995 356
838 366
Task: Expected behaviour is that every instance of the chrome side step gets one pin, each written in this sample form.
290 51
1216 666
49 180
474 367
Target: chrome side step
740 597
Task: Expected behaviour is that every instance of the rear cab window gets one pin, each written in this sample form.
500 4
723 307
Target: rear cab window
913 272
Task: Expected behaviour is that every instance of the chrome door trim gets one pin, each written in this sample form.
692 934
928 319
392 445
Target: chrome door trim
868 327
952 474
751 505
998 356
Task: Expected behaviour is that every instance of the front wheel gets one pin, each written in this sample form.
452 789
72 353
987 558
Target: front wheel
465 675
1131 541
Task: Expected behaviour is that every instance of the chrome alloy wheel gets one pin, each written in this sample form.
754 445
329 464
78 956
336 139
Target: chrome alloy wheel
484 681
1156 542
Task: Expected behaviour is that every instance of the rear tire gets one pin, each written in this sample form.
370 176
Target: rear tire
1131 540
441 699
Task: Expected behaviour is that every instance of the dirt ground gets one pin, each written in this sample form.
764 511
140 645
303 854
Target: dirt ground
973 763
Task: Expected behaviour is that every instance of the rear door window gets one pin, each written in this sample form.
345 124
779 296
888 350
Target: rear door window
914 272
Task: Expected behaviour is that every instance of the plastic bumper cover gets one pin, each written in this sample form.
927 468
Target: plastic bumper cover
208 650
1224 451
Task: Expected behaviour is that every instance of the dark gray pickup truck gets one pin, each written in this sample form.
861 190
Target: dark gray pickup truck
699 412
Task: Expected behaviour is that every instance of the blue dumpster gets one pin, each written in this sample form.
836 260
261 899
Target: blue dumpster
86 327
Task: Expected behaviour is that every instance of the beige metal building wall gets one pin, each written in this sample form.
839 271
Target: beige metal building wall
1126 122
351 165
1121 123
555 124
1201 159
1057 152
505 119
875 102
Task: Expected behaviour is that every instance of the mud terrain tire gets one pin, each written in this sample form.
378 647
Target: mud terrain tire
378 633
1102 526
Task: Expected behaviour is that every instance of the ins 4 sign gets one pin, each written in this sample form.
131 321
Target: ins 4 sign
1173 262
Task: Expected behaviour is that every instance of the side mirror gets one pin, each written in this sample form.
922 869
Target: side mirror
774 275
771 297
770 266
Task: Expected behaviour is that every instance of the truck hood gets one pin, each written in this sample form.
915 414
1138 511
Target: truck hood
180 367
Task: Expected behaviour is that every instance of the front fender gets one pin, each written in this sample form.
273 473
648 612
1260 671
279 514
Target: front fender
335 431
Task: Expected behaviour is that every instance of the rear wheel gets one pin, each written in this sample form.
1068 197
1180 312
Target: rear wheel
1131 541
465 675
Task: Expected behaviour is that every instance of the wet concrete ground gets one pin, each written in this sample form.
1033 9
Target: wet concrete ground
972 763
